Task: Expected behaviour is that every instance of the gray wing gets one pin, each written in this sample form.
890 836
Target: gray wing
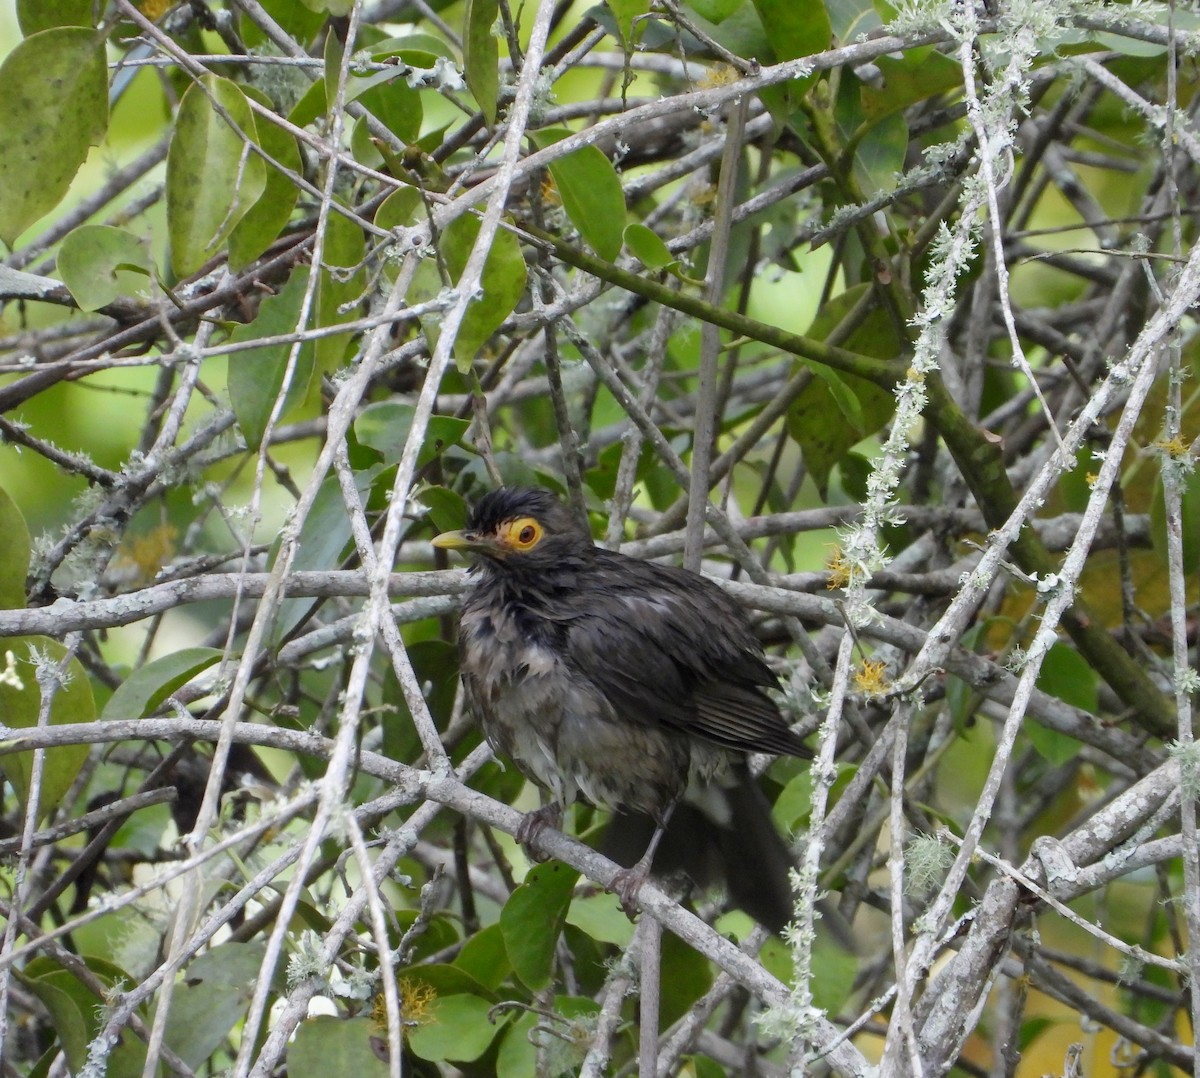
668 647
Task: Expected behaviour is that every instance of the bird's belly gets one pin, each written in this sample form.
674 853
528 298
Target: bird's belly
565 736
562 732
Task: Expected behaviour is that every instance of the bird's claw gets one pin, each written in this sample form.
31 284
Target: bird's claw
534 823
626 885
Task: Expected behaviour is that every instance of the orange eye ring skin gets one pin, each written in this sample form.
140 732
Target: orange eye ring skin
521 534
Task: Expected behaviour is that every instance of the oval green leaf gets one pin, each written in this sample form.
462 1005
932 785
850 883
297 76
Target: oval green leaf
141 693
715 11
71 1011
340 288
625 11
836 411
796 27
36 15
648 247
213 177
485 957
503 283
326 1046
263 222
256 375
384 426
93 256
481 56
20 703
1189 519
14 554
212 999
1066 674
458 1029
54 86
591 194
447 508
532 919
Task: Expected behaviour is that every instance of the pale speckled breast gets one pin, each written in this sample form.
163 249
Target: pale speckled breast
562 733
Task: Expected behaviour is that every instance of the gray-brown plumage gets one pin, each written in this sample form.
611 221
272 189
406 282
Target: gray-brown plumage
638 687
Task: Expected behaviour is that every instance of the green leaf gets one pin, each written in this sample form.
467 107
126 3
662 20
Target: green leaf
296 20
447 508
625 11
703 1067
256 375
147 687
266 219
850 18
533 918
741 31
518 1053
384 426
1053 746
213 177
1066 675
794 803
62 996
916 76
323 536
399 208
212 999
517 1056
878 144
93 256
391 101
445 980
839 968
310 106
836 411
481 56
503 283
691 977
20 705
418 48
337 8
796 27
855 470
591 194
77 1009
435 664
879 154
328 1047
335 52
459 1029
54 86
648 247
843 396
340 289
602 919
485 957
14 554
715 11
1189 521
36 15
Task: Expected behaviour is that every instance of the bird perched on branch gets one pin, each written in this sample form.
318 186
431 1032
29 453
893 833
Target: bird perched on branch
638 687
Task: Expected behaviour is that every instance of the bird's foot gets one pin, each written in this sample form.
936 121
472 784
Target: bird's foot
626 884
534 823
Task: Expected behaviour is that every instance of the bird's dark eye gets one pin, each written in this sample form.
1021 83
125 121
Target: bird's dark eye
524 533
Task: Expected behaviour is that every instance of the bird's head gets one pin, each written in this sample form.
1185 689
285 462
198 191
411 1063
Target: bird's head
519 528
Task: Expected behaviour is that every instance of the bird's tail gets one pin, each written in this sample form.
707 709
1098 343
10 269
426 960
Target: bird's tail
722 836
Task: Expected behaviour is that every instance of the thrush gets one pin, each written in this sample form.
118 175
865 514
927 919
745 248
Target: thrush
635 686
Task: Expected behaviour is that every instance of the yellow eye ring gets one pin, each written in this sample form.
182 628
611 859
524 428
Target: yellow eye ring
524 533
